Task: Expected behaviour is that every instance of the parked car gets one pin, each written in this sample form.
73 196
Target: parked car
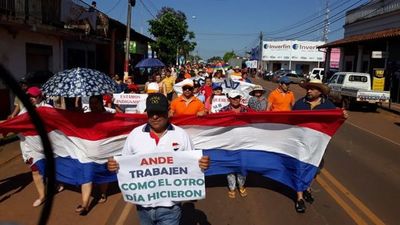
277 74
349 89
316 73
329 74
267 75
295 78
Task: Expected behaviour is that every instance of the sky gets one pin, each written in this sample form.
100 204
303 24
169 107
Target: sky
225 25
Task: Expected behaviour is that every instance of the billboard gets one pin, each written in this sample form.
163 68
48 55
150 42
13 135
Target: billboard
304 51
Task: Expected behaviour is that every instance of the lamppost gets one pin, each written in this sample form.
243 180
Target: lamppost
131 3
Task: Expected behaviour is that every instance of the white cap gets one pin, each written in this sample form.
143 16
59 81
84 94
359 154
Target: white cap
187 82
152 88
234 93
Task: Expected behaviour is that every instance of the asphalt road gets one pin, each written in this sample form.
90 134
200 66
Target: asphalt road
359 185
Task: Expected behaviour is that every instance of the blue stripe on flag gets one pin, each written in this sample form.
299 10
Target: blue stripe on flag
282 168
71 171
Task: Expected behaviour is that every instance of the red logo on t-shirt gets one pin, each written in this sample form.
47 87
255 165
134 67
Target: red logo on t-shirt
175 146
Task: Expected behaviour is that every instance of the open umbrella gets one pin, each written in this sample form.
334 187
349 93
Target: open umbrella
150 63
78 82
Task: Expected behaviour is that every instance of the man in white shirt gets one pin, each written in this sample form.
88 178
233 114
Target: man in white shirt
158 135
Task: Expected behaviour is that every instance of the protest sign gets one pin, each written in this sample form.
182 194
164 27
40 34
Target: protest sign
161 176
136 102
220 101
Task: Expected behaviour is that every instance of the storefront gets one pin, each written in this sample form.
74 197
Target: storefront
299 56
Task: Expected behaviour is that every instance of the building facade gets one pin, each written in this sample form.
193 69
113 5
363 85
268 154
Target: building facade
371 43
299 56
48 36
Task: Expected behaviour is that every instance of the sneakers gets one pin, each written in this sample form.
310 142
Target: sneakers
300 206
243 191
232 194
308 196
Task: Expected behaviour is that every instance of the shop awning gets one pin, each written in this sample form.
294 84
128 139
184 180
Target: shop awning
394 32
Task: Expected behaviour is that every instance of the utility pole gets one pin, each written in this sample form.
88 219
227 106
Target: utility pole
326 23
260 49
131 3
325 40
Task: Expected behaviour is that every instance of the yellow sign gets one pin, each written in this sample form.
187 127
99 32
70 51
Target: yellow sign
378 84
378 72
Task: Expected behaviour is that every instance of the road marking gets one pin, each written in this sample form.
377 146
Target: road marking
341 202
368 131
374 218
124 214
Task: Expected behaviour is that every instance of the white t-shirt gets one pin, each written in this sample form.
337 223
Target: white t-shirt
140 142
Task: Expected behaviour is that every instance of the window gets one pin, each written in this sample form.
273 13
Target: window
333 79
357 78
341 79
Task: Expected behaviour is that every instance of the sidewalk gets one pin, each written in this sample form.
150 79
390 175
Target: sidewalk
393 107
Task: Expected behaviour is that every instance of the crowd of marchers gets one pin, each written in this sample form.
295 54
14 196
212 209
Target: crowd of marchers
200 84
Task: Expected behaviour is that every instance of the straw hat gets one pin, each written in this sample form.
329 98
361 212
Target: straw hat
257 88
315 83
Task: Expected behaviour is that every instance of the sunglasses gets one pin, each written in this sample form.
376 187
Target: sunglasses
236 98
158 113
187 88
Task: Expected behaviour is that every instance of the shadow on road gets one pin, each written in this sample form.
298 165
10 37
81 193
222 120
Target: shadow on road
193 216
12 185
253 180
112 189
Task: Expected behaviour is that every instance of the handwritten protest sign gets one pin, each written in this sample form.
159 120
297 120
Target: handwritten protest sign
162 176
220 101
136 102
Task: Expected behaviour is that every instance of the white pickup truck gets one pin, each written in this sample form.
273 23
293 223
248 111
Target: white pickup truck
350 88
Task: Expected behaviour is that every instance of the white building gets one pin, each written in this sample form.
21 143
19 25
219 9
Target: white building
299 56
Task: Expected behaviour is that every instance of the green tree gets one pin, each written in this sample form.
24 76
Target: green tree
214 59
194 58
229 55
170 29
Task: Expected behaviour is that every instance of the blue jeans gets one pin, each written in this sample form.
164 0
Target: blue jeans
159 215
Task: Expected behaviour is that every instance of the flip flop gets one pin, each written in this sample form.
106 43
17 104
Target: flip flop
80 209
103 198
60 188
37 202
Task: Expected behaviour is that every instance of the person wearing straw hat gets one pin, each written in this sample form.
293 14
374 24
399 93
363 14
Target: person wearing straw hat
257 100
316 96
315 99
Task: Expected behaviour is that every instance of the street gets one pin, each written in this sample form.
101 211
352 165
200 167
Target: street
360 184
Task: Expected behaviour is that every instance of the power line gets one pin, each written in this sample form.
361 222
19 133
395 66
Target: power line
305 20
317 26
365 16
153 5
227 34
147 9
112 8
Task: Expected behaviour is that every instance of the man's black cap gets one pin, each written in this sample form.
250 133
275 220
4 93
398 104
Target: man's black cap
157 102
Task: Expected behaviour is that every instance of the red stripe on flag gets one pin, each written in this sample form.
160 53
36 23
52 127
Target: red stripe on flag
93 126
